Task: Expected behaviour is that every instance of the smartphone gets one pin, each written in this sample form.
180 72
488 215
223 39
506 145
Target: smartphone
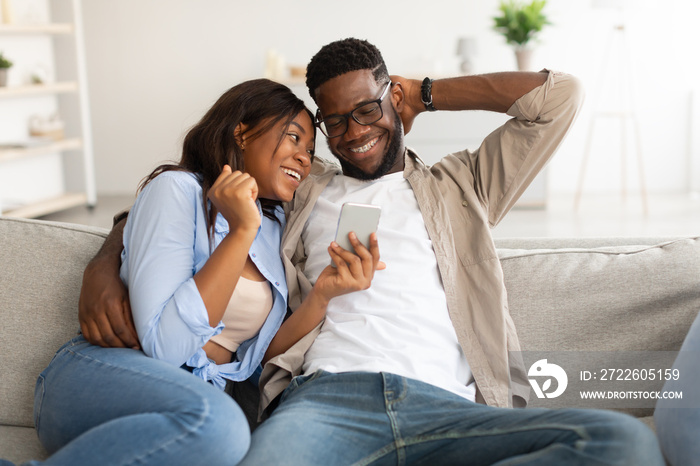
360 218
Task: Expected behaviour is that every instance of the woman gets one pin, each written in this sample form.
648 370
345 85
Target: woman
207 291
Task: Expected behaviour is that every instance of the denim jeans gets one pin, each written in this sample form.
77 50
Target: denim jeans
677 427
111 406
385 419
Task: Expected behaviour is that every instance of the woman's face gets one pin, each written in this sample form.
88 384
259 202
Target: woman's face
279 172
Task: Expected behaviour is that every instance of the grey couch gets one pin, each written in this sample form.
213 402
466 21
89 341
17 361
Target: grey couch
569 295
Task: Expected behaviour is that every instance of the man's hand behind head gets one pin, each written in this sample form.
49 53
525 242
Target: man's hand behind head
411 105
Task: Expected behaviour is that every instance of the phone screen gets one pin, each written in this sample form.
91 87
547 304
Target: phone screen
363 219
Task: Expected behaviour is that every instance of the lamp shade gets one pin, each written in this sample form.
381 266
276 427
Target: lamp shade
466 46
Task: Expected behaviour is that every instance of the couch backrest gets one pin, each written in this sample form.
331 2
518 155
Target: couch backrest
602 295
41 268
611 294
607 294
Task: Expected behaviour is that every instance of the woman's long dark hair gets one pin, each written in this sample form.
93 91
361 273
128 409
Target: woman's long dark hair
212 143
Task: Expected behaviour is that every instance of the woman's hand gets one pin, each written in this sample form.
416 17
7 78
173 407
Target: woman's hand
353 272
234 195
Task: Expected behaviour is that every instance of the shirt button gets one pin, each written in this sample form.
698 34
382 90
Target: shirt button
465 203
277 283
253 255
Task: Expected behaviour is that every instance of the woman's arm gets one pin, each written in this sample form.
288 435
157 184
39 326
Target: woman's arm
353 272
234 195
177 293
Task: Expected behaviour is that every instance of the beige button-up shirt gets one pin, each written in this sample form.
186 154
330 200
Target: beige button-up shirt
461 198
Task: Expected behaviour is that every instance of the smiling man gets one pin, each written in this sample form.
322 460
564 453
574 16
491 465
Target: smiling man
416 368
419 367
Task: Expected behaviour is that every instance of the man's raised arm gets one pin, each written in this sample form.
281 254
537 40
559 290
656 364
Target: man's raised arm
495 92
103 310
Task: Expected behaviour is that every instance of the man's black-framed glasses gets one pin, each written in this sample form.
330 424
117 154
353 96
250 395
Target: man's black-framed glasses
335 126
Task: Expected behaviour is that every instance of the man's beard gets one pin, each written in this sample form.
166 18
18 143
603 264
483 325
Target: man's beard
388 161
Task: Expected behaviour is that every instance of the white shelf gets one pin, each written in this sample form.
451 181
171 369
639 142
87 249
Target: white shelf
55 28
47 206
38 89
34 169
35 150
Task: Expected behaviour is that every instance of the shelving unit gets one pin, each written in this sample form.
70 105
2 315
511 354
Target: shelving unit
38 89
37 177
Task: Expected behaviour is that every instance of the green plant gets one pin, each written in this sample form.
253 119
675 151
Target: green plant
520 23
4 62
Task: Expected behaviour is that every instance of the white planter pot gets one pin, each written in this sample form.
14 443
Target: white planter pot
524 58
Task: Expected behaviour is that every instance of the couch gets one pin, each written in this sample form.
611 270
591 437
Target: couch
565 295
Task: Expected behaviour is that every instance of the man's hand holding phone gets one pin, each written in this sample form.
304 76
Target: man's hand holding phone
352 271
353 261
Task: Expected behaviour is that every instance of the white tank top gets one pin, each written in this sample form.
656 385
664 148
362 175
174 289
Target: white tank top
245 314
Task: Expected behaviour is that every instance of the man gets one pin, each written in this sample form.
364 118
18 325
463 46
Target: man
416 369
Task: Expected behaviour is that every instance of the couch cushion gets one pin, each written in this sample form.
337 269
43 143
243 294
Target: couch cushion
20 444
580 295
41 271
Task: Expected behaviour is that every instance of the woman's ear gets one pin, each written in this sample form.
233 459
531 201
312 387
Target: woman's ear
239 134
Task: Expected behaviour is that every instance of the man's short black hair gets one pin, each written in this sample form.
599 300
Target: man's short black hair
341 57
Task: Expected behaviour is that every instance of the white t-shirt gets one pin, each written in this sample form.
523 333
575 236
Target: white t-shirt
400 324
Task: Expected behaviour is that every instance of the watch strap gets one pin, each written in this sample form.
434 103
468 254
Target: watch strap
426 94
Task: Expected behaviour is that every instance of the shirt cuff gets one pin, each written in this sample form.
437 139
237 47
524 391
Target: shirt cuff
192 310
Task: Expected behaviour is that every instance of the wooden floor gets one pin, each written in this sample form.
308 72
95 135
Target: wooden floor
598 215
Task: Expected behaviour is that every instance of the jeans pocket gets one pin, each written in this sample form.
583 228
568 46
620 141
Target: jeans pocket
38 400
297 382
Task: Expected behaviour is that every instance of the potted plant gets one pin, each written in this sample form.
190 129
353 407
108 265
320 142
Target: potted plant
520 23
5 64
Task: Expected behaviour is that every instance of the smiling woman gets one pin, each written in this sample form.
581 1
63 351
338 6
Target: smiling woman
208 293
278 178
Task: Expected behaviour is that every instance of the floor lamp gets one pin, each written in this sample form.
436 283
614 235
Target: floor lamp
617 48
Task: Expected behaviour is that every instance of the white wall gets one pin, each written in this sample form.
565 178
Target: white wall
154 66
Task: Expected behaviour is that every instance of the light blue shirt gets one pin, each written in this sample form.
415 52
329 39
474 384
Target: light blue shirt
166 243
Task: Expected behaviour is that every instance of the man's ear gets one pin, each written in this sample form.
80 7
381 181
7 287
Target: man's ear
239 134
398 97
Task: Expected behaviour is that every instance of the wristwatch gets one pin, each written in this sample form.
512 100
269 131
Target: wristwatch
426 95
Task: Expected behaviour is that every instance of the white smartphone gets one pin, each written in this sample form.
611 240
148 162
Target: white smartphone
363 219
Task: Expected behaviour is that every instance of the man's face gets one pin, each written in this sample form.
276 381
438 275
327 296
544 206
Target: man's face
364 151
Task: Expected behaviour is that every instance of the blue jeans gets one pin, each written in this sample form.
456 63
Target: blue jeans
98 405
676 427
385 419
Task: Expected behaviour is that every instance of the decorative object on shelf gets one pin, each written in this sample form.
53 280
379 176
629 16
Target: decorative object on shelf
48 128
466 50
520 23
8 12
297 72
275 68
39 75
5 65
